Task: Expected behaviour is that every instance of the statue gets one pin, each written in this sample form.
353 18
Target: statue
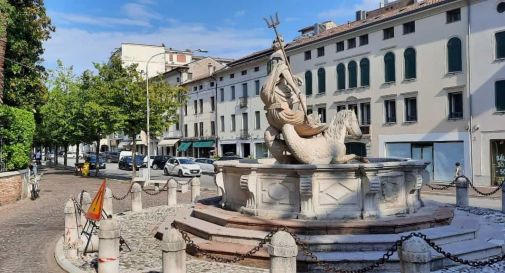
304 138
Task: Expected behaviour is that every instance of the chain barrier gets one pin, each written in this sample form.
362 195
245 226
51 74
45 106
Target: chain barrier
154 192
495 190
182 183
124 196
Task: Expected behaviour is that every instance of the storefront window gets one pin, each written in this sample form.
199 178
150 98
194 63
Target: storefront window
497 161
446 154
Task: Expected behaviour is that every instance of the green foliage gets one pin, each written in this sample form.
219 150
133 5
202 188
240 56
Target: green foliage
28 27
17 128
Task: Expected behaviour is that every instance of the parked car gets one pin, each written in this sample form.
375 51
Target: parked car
112 157
181 166
229 156
125 163
206 164
159 161
92 161
150 161
71 155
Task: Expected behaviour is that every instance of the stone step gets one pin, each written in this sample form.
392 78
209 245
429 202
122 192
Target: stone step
372 242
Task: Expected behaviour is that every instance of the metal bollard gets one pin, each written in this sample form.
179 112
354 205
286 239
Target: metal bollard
415 256
136 197
108 246
282 250
174 252
172 192
107 202
195 189
86 202
71 238
461 192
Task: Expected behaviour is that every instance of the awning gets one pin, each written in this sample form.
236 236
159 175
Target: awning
168 142
203 144
184 146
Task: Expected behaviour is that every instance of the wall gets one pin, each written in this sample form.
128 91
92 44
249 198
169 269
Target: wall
13 186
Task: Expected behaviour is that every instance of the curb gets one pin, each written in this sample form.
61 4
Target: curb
62 261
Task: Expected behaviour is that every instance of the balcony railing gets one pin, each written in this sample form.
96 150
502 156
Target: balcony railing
243 102
244 134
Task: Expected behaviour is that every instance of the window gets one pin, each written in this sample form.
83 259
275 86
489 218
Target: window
351 43
365 113
232 92
390 111
195 88
220 79
321 80
177 126
186 109
221 120
212 128
499 87
211 84
201 106
257 118
453 16
233 123
455 105
221 91
200 87
195 129
352 67
185 130
388 33
178 79
454 55
321 112
409 27
244 90
232 76
340 46
244 72
410 109
308 83
363 40
256 69
340 76
195 107
320 51
212 104
307 55
309 111
500 43
364 69
340 108
257 87
201 129
410 63
354 108
389 67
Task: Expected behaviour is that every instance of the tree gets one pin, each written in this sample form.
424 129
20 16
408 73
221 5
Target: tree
24 78
5 10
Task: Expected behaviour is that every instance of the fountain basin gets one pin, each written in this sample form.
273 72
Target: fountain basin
383 187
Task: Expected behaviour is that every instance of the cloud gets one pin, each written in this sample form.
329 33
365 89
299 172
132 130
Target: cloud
239 13
81 48
344 10
72 18
136 10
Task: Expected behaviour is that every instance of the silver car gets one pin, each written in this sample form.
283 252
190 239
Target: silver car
182 166
206 164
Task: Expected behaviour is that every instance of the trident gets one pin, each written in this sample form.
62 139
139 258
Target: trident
273 23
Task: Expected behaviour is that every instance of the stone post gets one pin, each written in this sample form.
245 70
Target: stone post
136 197
461 192
415 256
108 246
282 250
174 252
156 187
172 192
107 202
86 202
71 233
195 189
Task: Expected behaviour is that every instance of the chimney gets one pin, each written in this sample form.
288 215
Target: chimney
212 68
360 15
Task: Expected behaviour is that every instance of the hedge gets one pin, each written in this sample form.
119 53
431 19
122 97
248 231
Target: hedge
17 128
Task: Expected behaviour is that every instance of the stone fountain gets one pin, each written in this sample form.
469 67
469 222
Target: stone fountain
348 209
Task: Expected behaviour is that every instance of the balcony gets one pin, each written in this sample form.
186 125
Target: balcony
243 102
244 134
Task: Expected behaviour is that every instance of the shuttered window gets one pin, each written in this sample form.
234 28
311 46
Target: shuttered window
500 95
364 67
410 63
353 74
321 80
454 55
308 83
500 44
389 67
340 77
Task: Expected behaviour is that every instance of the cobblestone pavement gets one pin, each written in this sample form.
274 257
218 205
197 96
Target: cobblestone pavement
29 229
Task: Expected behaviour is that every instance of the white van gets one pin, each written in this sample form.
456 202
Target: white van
124 153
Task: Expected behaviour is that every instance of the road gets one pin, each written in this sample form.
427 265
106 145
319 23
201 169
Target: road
474 202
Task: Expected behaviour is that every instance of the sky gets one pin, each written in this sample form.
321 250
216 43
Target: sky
89 31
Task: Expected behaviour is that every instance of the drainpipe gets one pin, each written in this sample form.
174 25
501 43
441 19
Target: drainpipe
468 88
216 130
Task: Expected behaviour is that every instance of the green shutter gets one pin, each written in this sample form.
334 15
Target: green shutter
321 80
364 65
454 55
340 76
410 63
353 77
500 95
500 45
389 67
308 83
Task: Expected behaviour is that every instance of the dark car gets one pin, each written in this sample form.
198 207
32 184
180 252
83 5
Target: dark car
112 157
159 161
229 156
92 161
125 163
